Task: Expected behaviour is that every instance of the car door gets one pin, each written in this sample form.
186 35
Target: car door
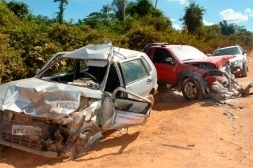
165 65
137 78
123 112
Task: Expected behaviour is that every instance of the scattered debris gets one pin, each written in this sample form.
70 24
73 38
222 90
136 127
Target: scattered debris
228 104
175 146
230 115
247 153
190 145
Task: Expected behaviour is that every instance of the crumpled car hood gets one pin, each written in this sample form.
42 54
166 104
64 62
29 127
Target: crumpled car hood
41 98
219 61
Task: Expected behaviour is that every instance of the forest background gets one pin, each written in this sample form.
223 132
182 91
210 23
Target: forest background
27 41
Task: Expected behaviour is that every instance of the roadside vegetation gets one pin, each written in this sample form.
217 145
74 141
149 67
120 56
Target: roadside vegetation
27 41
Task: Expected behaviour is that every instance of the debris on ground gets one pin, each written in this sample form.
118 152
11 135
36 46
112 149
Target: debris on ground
230 115
228 104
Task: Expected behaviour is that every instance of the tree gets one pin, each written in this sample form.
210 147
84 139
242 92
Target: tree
20 9
96 20
227 29
193 17
142 8
212 31
61 7
106 9
119 7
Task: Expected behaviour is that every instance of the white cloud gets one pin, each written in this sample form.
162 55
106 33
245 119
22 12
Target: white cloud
248 12
173 19
208 23
231 16
177 27
180 1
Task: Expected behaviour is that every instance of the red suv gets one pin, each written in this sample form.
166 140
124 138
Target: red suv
187 69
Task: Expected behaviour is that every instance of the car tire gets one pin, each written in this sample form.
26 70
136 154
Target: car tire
191 89
244 71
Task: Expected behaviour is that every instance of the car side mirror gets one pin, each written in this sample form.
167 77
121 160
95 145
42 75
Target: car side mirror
209 55
169 60
244 51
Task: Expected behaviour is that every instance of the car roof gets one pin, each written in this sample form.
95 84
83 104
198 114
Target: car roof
169 45
221 48
101 52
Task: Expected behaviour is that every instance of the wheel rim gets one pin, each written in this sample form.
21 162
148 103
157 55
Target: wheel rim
190 90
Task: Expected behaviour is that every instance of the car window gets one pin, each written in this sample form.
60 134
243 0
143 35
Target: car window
62 66
133 70
148 52
83 65
161 55
227 51
146 64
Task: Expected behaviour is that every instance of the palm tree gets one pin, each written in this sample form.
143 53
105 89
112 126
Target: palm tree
60 14
106 8
119 7
193 17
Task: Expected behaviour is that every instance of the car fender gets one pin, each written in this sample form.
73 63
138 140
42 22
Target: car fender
189 74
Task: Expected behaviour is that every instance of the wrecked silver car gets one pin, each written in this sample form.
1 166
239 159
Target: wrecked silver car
74 98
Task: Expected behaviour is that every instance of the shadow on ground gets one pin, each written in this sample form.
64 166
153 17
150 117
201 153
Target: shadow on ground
12 157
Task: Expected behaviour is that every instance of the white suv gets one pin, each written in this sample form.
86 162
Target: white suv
239 64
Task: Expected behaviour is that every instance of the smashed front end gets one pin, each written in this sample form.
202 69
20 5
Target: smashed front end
48 119
49 138
220 83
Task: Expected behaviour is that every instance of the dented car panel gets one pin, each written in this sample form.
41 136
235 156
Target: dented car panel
73 99
41 98
219 62
187 69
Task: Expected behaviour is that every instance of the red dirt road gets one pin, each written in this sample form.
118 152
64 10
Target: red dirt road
179 134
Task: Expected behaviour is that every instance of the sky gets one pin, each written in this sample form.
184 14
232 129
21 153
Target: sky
239 12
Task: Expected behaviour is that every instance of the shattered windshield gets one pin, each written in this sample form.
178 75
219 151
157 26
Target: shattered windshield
59 66
71 71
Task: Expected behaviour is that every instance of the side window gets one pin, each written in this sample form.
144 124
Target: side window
149 52
146 64
133 70
162 56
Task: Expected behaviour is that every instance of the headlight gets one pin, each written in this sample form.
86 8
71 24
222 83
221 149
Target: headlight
237 62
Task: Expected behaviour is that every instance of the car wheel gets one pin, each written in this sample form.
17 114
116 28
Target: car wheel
190 89
244 71
86 141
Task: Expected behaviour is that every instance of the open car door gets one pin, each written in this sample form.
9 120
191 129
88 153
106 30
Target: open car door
123 112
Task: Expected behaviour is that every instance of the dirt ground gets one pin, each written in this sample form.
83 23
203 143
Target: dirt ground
178 134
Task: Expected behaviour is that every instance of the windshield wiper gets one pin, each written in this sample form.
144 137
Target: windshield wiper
188 59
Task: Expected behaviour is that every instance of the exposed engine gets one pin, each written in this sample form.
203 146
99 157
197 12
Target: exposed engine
50 138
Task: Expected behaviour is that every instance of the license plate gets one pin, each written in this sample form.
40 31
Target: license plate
26 130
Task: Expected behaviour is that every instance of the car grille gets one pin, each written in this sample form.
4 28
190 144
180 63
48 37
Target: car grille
22 141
